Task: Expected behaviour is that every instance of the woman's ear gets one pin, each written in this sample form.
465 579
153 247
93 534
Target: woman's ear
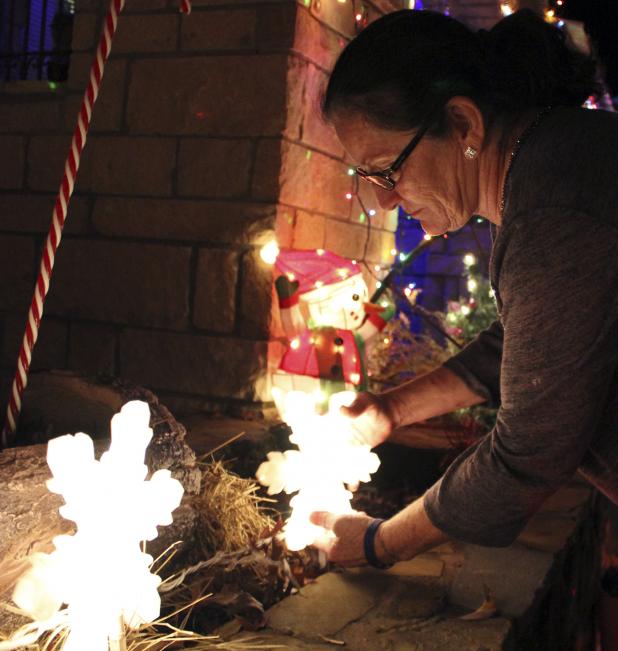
466 122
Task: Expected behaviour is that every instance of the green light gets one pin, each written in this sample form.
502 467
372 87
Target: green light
308 152
53 85
362 217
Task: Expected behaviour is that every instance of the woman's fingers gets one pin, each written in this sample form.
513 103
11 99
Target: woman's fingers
324 519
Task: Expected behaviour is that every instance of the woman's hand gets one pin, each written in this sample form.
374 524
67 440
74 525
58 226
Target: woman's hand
347 548
373 418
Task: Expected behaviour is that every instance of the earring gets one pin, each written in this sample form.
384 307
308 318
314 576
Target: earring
470 153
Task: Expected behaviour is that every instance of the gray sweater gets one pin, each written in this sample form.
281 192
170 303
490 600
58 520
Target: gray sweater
550 362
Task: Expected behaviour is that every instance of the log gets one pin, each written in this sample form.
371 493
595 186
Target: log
57 403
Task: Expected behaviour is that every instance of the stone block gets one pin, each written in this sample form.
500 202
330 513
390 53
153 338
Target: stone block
141 5
214 306
313 181
122 283
46 158
215 222
339 18
432 296
267 168
307 179
345 239
13 150
284 228
29 114
147 33
208 167
50 351
213 3
445 265
32 213
219 29
79 70
92 349
85 31
129 165
196 364
295 98
316 41
107 114
275 26
17 264
255 297
309 231
316 133
217 95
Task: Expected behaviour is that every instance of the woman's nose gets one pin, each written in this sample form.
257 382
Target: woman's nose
387 199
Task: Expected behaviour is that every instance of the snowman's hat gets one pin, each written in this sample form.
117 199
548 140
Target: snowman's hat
314 268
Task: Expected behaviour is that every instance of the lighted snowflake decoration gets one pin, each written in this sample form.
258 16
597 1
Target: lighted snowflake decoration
100 572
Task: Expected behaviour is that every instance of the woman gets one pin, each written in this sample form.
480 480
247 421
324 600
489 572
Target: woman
448 124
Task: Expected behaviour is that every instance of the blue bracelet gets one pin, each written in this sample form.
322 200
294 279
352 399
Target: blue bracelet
369 545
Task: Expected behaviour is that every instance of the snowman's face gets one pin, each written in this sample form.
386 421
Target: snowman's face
340 305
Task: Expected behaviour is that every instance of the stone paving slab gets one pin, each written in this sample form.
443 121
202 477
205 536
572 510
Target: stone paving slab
417 605
326 606
513 575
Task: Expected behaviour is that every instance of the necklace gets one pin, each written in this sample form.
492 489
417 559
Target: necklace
515 151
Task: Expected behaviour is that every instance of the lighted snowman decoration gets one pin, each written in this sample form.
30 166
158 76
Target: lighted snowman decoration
329 322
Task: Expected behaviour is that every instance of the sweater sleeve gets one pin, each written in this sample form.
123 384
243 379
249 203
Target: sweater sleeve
558 284
478 364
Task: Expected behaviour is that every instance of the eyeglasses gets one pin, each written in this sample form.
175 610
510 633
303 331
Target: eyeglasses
383 178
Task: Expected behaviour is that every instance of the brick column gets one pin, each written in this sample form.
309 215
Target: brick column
205 143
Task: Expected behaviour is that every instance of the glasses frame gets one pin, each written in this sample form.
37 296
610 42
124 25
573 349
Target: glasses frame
382 178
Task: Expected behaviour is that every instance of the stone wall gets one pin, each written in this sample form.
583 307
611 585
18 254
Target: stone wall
205 143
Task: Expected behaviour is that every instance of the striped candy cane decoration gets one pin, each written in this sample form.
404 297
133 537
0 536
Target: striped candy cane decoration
59 215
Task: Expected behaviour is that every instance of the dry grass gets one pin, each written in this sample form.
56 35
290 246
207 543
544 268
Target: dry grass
232 514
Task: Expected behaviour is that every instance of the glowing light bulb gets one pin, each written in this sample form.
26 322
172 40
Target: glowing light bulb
402 256
295 343
269 252
427 237
506 9
465 310
469 259
348 195
386 341
472 285
320 251
372 212
351 170
394 251
411 285
378 284
359 17
377 267
355 378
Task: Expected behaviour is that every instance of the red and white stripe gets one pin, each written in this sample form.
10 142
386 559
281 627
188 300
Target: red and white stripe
59 215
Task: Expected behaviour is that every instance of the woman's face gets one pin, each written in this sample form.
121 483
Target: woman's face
436 185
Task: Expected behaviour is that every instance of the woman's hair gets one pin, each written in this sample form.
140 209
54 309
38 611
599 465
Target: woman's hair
403 68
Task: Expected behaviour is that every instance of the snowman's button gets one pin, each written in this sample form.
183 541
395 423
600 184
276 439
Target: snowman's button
335 370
